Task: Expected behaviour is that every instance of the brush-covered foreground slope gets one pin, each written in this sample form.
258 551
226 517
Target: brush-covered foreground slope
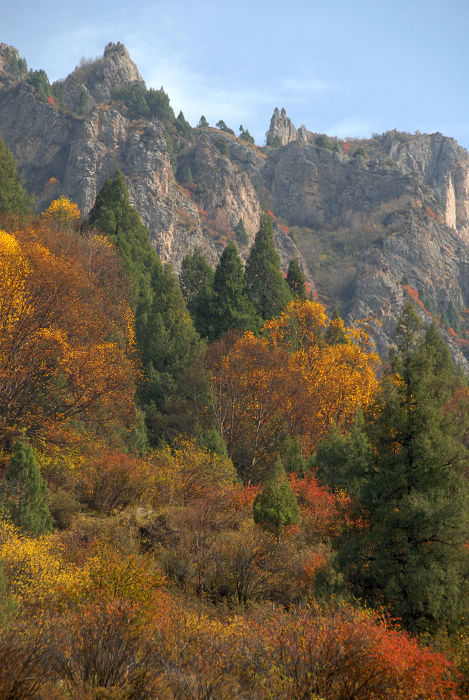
372 221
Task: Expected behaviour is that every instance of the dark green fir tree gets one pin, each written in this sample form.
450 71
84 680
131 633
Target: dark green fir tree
292 456
266 286
13 197
167 341
231 306
407 551
296 279
196 280
276 506
343 461
26 491
113 214
241 233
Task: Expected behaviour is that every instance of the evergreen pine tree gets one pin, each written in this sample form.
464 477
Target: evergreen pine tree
113 214
13 197
183 127
26 491
296 279
167 341
170 348
231 306
276 506
343 461
196 276
266 286
241 233
292 456
407 551
196 280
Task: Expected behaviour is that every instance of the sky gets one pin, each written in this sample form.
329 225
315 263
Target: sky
340 67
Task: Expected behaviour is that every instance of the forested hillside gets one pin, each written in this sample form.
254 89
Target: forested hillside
209 487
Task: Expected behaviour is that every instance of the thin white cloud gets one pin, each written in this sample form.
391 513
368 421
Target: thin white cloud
196 93
67 48
353 126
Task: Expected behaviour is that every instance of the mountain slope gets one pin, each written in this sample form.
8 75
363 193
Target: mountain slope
372 221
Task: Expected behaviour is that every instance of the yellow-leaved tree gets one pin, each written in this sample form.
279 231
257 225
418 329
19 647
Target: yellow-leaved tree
301 375
66 335
62 211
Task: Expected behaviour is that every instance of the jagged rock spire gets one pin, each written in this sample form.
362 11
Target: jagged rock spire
92 81
282 130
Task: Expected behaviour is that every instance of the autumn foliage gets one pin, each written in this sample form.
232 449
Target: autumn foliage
66 335
177 570
289 378
62 210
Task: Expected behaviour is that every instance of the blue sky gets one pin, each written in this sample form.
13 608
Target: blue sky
342 67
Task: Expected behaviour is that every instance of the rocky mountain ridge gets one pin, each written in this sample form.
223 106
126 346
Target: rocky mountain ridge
373 221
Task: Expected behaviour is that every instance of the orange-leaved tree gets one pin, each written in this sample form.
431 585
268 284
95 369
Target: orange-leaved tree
347 653
295 377
66 335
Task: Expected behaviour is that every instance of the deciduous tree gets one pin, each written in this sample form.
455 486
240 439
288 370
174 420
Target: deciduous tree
288 380
66 336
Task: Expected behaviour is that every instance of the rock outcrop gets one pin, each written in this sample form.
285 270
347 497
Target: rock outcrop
372 221
92 81
11 65
281 130
61 151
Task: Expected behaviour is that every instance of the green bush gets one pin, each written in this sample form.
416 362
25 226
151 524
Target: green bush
222 145
221 125
40 82
145 103
245 135
14 64
271 140
324 142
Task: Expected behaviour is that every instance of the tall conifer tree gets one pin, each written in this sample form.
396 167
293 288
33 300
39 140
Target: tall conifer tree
276 506
13 197
296 279
231 306
166 338
266 286
407 549
26 491
196 280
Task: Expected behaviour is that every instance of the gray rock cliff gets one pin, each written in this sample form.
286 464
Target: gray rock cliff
372 221
281 130
92 81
